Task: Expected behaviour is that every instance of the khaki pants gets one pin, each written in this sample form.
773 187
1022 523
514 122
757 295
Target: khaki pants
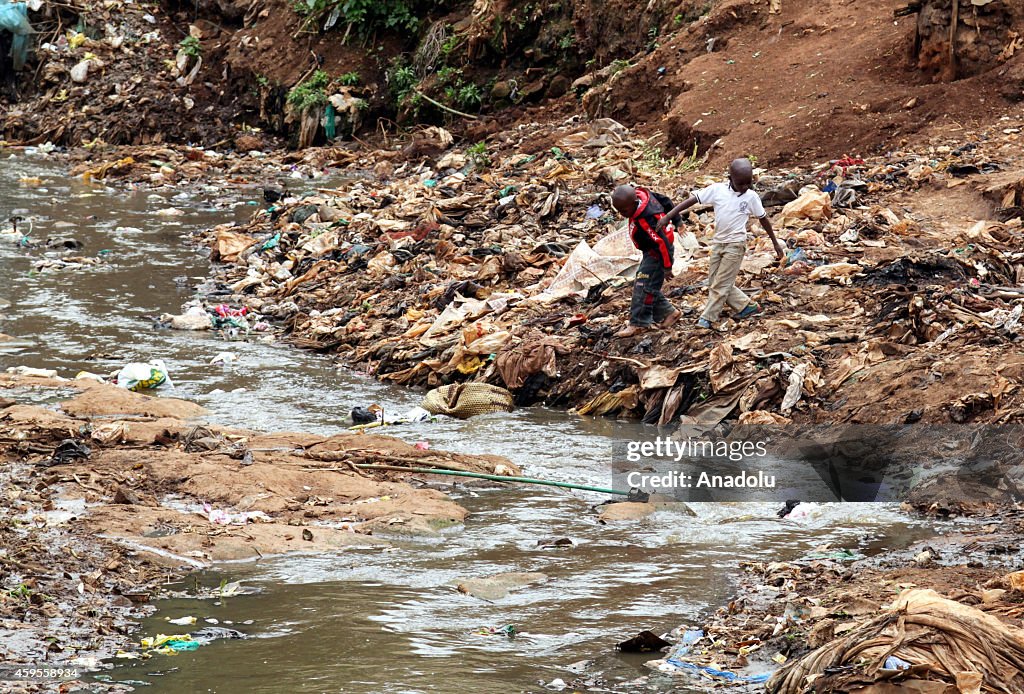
726 259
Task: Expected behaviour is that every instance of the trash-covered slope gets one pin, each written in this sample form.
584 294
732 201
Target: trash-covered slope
897 302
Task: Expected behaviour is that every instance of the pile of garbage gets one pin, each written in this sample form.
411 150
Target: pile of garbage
107 72
245 164
232 321
925 641
435 264
902 621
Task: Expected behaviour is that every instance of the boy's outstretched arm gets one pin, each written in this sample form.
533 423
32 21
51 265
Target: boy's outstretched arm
671 214
767 225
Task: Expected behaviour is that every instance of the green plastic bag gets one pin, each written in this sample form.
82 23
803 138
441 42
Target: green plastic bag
14 18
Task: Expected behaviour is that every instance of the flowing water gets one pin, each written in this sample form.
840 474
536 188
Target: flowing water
378 620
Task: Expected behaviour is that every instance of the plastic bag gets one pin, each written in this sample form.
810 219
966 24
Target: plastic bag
813 205
14 18
138 376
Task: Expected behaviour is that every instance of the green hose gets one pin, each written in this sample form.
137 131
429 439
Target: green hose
483 476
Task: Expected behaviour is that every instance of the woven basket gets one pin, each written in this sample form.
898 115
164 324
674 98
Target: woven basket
465 400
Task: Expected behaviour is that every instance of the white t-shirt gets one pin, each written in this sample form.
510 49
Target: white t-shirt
732 211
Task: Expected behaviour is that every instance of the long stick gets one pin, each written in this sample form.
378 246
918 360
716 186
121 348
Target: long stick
447 108
636 362
952 39
483 476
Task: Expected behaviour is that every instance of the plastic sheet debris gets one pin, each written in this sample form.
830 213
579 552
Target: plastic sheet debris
222 517
375 415
169 644
112 432
611 256
677 661
14 19
225 358
797 255
840 272
103 170
805 511
894 663
30 371
68 450
812 205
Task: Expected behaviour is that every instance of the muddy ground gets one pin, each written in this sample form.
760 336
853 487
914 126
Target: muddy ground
783 81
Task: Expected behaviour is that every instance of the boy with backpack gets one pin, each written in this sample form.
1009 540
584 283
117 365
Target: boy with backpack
652 232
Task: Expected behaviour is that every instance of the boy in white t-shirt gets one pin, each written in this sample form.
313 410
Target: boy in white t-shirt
735 203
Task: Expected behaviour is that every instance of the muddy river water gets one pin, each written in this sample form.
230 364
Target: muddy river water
378 620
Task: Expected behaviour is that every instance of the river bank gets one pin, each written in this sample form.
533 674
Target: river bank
112 494
941 615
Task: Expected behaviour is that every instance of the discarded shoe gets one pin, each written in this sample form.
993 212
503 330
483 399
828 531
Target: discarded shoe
671 319
630 331
750 310
703 323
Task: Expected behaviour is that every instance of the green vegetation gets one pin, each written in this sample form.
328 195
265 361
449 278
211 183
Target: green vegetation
652 39
469 97
310 94
652 160
26 593
450 44
22 591
404 84
349 79
363 16
262 82
620 65
478 155
402 80
447 75
191 46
